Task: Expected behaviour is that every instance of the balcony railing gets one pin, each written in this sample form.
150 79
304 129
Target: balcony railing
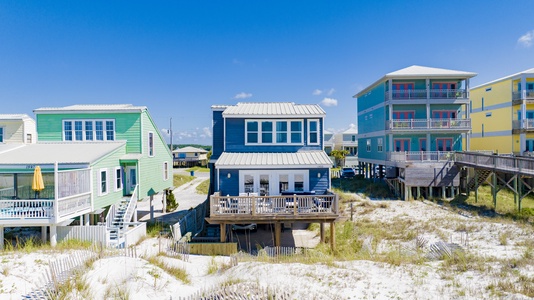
73 197
422 94
263 206
420 156
428 124
524 94
527 124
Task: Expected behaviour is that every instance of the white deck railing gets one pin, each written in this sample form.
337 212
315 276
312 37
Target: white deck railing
26 209
420 156
73 204
421 94
273 205
426 124
523 124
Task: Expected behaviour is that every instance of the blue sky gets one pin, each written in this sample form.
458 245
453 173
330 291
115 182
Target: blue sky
180 57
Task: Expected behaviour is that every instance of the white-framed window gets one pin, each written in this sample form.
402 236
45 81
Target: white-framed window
103 182
1 134
150 143
273 182
380 146
89 130
368 145
165 171
353 138
313 132
274 132
118 178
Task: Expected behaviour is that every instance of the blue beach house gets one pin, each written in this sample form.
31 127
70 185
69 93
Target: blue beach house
408 122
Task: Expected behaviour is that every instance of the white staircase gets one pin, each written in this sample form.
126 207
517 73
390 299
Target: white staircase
118 217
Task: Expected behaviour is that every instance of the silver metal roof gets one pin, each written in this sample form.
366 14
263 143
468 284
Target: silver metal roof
243 109
301 159
10 117
189 149
415 72
526 72
62 152
92 108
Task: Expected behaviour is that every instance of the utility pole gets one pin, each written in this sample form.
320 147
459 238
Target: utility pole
170 132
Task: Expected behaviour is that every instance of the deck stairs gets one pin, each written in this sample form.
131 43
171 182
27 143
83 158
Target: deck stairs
118 217
482 176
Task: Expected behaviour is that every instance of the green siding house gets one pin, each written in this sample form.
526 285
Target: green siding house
92 157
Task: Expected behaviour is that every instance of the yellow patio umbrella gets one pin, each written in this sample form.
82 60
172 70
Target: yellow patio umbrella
37 183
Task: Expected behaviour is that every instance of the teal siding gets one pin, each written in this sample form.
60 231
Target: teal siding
127 127
109 163
151 169
373 154
374 97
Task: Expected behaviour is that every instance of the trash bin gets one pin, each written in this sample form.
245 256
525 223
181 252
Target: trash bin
192 173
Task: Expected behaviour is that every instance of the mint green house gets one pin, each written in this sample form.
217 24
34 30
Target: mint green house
96 160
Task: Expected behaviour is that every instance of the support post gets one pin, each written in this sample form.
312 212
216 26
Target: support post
151 207
223 232
333 236
87 220
494 190
321 227
164 201
520 191
43 234
516 193
476 186
1 237
277 233
53 235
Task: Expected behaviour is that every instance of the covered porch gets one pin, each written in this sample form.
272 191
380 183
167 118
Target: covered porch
67 194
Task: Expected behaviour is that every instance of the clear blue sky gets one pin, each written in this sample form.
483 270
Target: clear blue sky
180 57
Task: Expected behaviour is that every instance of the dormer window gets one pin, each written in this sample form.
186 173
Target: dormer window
273 132
89 130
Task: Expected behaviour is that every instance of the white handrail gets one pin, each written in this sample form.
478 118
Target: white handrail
130 209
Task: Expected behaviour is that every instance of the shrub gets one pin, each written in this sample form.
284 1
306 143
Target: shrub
172 205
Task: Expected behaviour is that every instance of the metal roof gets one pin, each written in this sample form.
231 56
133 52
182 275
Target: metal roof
528 72
92 108
414 72
351 130
244 109
11 117
301 159
189 149
62 152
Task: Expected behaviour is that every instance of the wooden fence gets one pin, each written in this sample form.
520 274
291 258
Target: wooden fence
95 234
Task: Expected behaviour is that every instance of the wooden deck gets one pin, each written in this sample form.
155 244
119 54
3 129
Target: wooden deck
501 163
269 209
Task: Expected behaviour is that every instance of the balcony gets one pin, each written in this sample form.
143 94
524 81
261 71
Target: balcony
415 125
523 125
266 209
69 196
423 95
523 95
420 156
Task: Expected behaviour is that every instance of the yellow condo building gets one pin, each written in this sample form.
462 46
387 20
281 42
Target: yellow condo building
502 114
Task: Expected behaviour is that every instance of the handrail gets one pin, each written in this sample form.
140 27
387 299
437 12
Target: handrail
422 94
130 209
110 216
420 156
418 124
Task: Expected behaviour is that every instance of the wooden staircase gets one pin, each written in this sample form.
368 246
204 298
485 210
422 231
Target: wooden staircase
481 176
118 218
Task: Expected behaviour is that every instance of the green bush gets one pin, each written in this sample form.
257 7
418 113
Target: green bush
172 205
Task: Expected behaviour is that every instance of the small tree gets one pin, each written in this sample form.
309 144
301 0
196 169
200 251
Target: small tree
171 201
339 156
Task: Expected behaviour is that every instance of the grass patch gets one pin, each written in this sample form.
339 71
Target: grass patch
177 273
179 179
368 187
198 169
153 229
203 187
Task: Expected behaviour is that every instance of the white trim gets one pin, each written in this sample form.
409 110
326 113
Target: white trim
274 179
93 129
380 144
149 146
100 171
368 145
115 179
274 132
318 131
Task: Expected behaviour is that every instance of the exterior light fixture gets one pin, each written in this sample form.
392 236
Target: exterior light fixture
318 175
229 175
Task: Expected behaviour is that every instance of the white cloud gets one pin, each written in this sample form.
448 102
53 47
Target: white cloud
243 95
207 131
317 92
527 39
329 102
330 92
